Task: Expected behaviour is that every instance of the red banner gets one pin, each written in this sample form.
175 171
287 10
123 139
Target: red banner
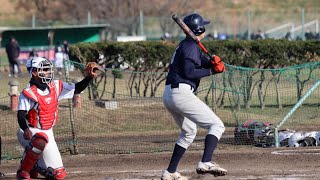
48 53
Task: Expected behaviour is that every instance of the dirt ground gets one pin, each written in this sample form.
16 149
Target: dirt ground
242 162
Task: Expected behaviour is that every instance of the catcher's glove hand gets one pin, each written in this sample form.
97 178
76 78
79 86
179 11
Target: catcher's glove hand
91 69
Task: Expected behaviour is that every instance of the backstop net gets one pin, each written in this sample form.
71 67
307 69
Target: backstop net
122 111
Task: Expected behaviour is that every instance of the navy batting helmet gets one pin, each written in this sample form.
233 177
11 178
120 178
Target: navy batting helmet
196 23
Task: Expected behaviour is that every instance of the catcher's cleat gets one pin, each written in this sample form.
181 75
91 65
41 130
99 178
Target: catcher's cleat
34 174
210 168
23 175
172 176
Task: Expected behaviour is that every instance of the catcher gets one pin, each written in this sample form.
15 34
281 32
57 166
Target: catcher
38 113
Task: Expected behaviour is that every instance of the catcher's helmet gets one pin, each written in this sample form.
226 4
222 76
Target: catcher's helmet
43 67
196 23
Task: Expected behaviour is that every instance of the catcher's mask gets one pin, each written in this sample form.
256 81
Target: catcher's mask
44 69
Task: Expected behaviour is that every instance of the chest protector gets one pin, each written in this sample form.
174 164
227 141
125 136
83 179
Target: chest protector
45 114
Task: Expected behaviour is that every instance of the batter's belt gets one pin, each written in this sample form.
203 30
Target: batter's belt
176 85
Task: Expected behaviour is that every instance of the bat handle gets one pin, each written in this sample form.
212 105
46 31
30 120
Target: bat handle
205 50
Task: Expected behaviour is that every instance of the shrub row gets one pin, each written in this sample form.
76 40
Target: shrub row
148 55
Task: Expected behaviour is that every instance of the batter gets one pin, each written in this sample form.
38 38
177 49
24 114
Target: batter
188 65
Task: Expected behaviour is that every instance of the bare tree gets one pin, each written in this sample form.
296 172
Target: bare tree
48 12
165 9
122 15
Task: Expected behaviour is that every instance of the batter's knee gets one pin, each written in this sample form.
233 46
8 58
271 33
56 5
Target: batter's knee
186 138
217 129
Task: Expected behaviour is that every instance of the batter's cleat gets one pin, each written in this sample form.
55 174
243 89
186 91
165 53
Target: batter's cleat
172 176
2 176
23 175
210 168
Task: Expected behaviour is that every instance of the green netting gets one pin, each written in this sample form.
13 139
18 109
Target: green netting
122 111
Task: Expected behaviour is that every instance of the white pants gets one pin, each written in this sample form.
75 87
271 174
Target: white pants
50 155
189 111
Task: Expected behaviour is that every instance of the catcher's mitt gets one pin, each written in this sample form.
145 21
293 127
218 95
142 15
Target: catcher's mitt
92 68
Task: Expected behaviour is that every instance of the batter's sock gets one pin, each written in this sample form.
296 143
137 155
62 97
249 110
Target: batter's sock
210 144
176 156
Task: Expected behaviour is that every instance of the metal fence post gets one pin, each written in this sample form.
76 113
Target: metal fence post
66 64
249 24
2 176
302 24
0 149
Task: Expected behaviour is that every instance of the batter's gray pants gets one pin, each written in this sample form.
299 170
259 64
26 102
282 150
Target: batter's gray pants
189 111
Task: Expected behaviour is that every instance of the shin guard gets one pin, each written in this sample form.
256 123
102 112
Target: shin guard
33 153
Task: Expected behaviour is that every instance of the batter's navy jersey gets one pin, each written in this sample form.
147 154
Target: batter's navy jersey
188 65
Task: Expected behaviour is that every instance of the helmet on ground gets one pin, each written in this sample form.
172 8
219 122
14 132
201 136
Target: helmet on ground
296 138
196 23
43 67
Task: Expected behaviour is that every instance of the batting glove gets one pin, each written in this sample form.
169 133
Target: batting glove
217 65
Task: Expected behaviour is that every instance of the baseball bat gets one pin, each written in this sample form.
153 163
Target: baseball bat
189 33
